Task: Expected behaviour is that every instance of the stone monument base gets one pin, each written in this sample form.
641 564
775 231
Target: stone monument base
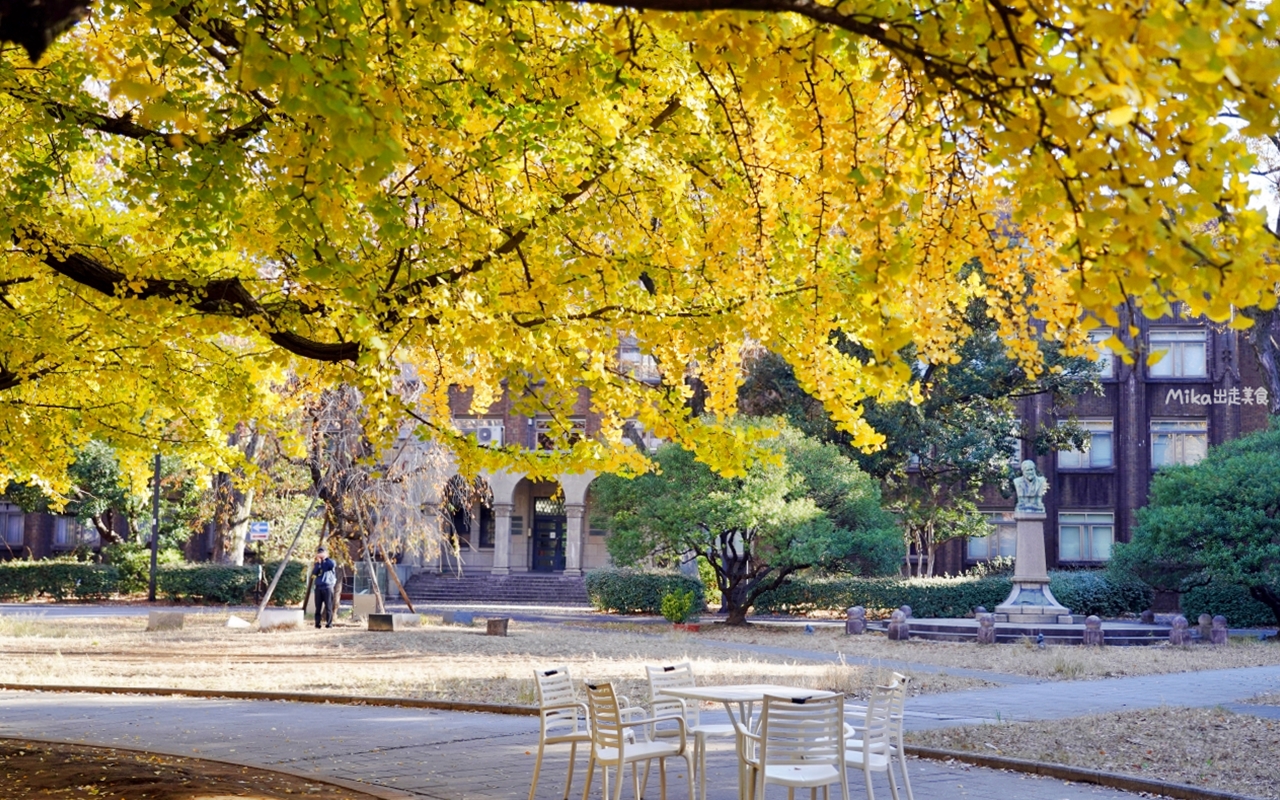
1031 602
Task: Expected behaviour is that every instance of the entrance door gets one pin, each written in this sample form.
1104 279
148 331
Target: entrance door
549 525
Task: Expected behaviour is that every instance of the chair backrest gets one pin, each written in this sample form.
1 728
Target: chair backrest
556 700
605 716
878 724
802 730
897 705
674 676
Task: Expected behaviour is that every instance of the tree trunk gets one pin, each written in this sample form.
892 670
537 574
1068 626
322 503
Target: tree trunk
1263 338
1269 598
232 511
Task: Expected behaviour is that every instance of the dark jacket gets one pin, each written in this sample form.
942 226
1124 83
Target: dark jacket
324 573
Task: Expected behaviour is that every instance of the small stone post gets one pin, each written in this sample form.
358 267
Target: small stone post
1218 634
1180 634
986 628
855 620
1206 627
1093 631
899 628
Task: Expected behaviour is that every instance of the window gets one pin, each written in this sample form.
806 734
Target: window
546 431
517 525
11 518
1001 542
69 533
1183 353
1097 451
1085 536
1105 358
636 363
1178 441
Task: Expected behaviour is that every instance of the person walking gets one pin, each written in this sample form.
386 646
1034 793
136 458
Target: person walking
326 579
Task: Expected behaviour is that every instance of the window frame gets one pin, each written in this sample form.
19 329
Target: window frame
9 511
1181 430
1174 343
1087 520
1104 357
1004 535
1094 427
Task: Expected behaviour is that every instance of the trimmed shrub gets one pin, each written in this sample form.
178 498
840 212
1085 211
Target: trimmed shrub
211 583
1231 601
292 586
23 580
1097 593
133 560
928 597
632 592
1082 592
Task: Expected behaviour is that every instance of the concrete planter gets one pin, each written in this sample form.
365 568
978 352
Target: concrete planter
279 619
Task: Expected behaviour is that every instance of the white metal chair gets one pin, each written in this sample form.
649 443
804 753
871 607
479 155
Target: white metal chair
562 719
869 745
680 676
611 746
800 745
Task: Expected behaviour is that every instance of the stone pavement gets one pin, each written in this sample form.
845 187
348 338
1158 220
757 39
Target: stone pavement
420 753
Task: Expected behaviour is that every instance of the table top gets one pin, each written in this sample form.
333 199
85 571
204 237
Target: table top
743 692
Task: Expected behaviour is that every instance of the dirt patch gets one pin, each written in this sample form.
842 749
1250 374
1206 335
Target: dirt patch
1205 747
40 770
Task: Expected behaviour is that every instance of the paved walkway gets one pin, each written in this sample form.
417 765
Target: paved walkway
423 754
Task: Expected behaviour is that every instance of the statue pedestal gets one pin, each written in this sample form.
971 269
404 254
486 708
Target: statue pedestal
1031 601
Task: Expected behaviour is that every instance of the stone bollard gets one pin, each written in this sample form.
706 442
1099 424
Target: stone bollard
1092 631
979 610
165 620
1148 617
986 628
855 620
899 627
1218 634
1206 627
906 612
496 627
1180 634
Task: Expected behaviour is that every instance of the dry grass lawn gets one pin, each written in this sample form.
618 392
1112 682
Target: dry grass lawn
1199 746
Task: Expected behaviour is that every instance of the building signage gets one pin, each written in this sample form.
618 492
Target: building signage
259 531
1220 397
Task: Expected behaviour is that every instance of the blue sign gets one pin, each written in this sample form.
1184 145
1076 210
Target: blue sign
259 531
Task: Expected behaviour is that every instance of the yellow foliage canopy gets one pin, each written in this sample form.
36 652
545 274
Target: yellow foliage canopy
201 195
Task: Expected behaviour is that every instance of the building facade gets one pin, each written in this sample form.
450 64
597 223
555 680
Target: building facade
1201 386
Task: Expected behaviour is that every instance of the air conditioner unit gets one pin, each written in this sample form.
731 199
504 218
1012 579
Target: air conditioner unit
489 436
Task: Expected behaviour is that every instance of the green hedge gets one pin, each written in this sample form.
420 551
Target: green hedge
1082 592
23 580
292 586
1096 593
226 584
1231 601
631 592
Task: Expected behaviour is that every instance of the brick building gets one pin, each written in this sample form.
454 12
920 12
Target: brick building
1205 389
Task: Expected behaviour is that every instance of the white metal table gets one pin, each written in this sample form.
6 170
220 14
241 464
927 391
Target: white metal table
740 700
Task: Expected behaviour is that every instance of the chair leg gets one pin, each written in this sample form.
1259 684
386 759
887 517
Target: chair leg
893 784
573 756
621 776
700 757
866 775
906 780
591 771
662 778
537 768
688 763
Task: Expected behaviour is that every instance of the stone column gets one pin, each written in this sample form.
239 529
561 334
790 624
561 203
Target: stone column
502 538
1031 602
574 512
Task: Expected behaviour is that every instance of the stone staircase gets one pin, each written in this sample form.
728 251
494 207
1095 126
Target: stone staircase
483 588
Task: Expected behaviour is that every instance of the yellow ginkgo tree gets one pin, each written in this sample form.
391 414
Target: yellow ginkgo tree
202 196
